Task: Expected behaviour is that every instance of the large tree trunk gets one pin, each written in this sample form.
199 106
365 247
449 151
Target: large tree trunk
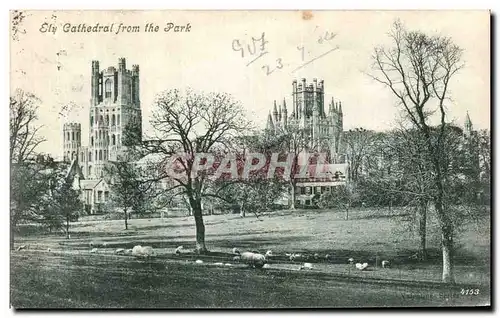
12 230
292 196
422 228
125 218
242 211
200 226
447 245
67 226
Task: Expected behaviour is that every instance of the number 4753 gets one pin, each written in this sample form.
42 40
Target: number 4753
469 291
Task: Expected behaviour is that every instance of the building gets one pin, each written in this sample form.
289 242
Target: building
323 130
114 105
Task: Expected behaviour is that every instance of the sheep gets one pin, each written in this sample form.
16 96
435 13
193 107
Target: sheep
199 261
227 264
385 264
178 250
140 251
120 251
94 250
306 266
327 257
361 266
48 250
128 251
255 260
294 257
236 251
351 260
219 264
316 255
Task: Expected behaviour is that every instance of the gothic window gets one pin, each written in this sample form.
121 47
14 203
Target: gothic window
68 139
105 155
107 86
73 155
113 140
81 157
90 170
91 121
78 135
118 120
107 119
100 135
73 135
96 157
92 140
107 139
113 120
90 156
100 154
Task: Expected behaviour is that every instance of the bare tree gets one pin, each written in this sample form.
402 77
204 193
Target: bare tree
27 184
189 124
24 133
358 142
417 69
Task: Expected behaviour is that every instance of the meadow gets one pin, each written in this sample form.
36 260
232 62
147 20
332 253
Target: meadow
69 275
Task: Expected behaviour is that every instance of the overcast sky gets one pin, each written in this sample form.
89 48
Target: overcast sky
204 59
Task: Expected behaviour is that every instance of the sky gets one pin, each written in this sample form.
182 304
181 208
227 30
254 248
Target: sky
56 66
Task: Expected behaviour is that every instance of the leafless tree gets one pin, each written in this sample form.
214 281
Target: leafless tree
358 142
188 124
24 131
417 69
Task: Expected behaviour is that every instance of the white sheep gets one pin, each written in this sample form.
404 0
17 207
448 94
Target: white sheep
48 250
143 251
351 260
316 256
178 250
128 251
94 250
219 264
236 251
199 261
306 266
120 251
385 264
255 260
327 257
361 266
227 264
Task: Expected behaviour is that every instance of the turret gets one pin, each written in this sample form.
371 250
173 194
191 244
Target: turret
285 114
95 98
135 86
468 125
275 112
72 141
270 125
122 71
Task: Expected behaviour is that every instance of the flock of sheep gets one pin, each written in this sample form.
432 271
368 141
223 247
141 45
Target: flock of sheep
253 259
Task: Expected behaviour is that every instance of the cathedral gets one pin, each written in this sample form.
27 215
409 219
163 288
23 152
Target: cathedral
308 112
114 104
324 130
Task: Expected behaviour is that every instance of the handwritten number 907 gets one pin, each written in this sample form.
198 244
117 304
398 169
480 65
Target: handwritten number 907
278 66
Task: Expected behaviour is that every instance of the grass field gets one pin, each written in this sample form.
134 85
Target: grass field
71 276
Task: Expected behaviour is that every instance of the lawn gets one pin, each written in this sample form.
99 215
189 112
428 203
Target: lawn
69 275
